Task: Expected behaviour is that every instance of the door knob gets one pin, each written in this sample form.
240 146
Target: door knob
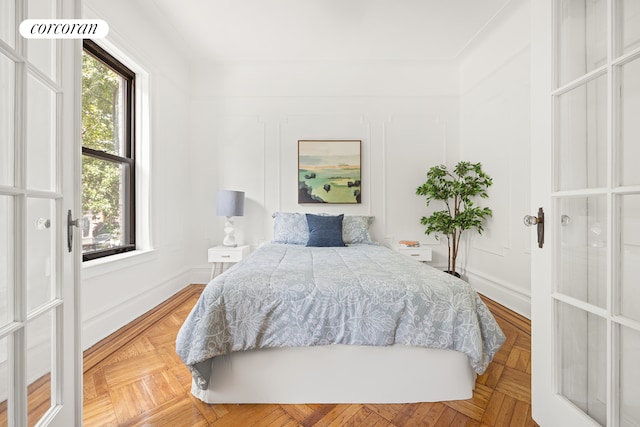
78 222
530 220
42 223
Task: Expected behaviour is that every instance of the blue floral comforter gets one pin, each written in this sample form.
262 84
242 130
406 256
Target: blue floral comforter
292 295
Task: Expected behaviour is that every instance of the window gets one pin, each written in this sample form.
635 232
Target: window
108 160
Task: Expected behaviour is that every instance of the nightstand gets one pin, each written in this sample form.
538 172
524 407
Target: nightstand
419 253
223 254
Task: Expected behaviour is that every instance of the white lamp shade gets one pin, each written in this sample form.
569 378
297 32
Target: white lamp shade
230 203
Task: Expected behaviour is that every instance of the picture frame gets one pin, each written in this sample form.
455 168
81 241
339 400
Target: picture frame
329 171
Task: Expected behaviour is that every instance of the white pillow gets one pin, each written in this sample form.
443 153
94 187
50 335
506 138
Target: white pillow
290 228
355 229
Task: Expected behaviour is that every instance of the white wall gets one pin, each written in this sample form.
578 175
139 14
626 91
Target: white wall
235 125
124 287
247 118
494 130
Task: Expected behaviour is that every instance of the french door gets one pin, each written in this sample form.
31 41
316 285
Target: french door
40 360
586 173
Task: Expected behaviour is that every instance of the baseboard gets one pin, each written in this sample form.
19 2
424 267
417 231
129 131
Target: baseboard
103 324
200 274
500 291
114 342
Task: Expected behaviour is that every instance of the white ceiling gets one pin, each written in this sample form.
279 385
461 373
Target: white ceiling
360 30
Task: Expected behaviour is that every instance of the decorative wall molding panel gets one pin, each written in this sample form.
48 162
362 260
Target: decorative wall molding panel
242 145
494 130
412 144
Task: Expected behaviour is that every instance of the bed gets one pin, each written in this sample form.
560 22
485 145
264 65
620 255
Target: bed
336 324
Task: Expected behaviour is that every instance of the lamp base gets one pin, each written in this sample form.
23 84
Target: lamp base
229 237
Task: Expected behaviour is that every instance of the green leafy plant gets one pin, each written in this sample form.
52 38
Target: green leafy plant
457 190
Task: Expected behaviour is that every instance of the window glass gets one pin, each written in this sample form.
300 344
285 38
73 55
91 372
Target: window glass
108 165
103 107
103 225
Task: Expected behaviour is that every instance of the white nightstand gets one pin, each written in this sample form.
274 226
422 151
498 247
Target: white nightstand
420 253
223 254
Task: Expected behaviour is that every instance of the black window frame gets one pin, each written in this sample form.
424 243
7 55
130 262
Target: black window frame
129 78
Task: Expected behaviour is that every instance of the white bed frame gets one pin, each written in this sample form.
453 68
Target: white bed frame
339 374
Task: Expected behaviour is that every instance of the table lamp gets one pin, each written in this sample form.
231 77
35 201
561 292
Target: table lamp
229 203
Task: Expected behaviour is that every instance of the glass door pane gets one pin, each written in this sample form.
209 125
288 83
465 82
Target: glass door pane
7 119
582 256
42 52
630 14
41 265
583 360
6 259
41 136
4 382
582 38
630 125
630 256
39 365
7 26
629 377
582 136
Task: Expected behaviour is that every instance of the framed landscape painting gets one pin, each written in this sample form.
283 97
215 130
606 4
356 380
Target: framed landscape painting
329 171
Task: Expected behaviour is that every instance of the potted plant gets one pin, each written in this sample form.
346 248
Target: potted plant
457 190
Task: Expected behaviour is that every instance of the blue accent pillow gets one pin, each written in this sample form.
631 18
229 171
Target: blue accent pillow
325 230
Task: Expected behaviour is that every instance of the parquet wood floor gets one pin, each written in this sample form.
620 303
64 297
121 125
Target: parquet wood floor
135 378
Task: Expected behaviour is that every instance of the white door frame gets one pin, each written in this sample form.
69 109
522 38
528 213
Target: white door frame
549 407
62 110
